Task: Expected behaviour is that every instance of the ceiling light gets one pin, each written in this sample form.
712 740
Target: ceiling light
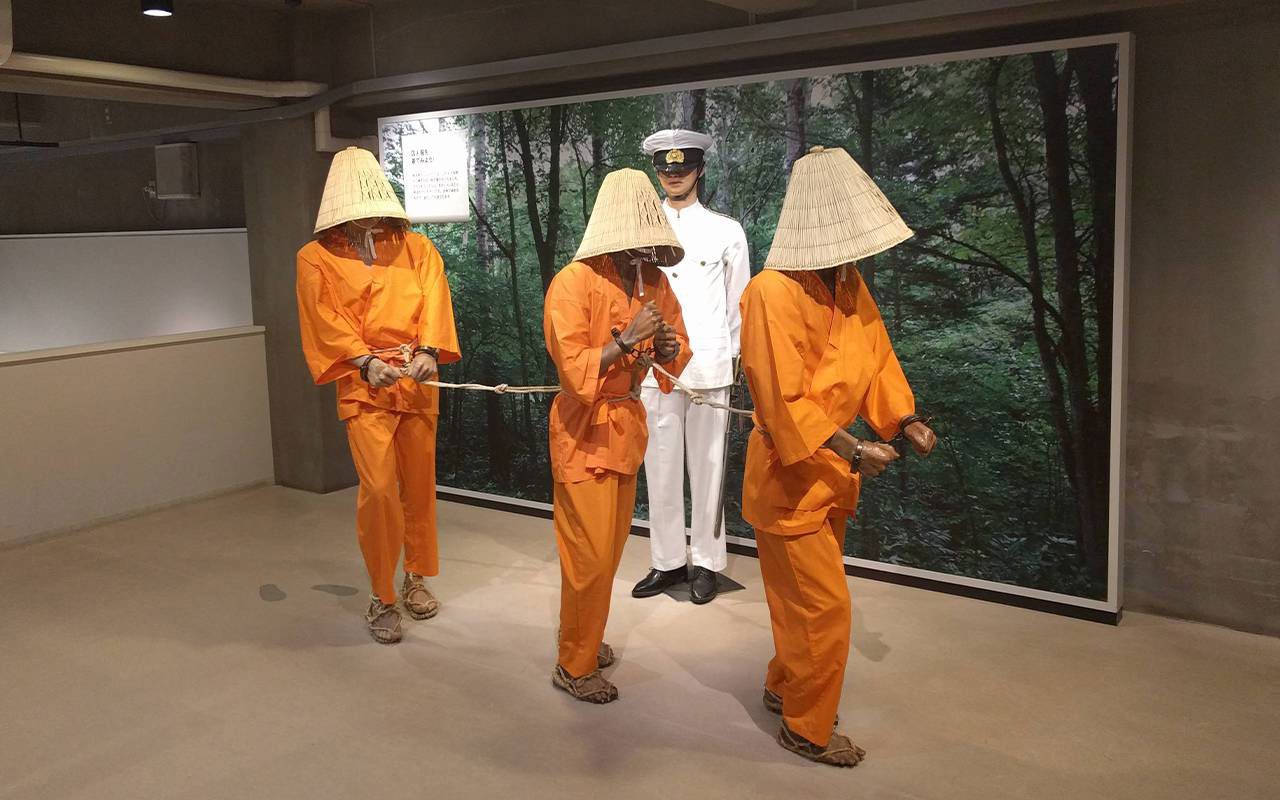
157 8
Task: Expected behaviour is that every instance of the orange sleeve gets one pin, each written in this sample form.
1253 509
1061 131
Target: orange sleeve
329 341
889 399
669 306
772 336
566 325
435 322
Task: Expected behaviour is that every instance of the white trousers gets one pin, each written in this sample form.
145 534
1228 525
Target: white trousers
674 424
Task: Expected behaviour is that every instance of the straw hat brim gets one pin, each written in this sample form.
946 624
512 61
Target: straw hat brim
833 214
628 215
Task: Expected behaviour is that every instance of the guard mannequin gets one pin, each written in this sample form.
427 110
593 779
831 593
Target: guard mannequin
708 283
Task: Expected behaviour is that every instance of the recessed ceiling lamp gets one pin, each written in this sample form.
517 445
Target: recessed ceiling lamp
157 8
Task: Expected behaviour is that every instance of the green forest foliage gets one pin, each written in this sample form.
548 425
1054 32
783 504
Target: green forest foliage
982 316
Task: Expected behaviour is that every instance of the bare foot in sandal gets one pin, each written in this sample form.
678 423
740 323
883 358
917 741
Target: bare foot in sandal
590 688
838 752
383 621
418 599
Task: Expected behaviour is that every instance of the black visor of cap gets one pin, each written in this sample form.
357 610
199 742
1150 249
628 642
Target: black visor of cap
677 159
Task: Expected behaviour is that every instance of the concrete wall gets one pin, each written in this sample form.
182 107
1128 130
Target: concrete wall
1203 514
284 179
103 432
121 287
105 193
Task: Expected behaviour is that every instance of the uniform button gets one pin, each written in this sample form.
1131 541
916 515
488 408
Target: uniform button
703 263
675 274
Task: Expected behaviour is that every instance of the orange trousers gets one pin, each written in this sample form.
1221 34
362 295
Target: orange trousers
592 519
395 457
809 609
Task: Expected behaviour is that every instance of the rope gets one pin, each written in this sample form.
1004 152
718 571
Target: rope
696 397
405 352
501 388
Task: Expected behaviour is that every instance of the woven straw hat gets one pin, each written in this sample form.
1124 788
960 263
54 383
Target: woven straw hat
833 214
628 215
356 188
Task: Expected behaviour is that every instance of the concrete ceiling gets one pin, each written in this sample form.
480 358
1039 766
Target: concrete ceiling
318 6
767 6
328 6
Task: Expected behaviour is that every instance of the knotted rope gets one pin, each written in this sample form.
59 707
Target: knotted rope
405 352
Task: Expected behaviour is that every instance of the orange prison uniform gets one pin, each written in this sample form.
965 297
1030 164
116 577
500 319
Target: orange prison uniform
597 435
347 310
814 363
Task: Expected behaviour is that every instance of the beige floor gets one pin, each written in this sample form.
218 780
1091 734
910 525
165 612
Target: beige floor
141 660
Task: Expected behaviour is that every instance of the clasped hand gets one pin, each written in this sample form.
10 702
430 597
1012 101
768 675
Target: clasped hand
922 438
381 374
649 324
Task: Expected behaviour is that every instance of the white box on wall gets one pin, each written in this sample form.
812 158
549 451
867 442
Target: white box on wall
177 171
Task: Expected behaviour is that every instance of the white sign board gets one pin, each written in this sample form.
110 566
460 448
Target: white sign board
435 176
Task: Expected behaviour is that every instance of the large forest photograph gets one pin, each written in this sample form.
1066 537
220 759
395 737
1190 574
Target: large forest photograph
1000 308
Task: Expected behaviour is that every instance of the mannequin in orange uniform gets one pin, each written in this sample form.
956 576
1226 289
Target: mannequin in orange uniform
375 316
602 314
817 356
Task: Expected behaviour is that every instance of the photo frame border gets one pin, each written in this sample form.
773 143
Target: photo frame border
1106 610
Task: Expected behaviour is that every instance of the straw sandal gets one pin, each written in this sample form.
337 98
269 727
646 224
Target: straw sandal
418 599
839 752
384 621
774 703
590 688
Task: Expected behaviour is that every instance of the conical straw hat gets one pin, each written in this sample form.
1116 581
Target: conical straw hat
833 214
628 215
356 189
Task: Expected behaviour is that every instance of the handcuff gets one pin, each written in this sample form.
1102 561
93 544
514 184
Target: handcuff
431 351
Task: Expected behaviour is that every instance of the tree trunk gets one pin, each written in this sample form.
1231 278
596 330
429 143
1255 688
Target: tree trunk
497 439
1052 89
1095 70
693 110
516 313
479 153
728 164
796 93
597 149
1024 206
543 242
866 157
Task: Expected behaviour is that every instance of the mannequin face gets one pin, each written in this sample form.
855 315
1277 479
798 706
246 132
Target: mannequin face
641 255
678 185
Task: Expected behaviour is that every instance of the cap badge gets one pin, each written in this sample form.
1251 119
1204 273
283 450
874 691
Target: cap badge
675 156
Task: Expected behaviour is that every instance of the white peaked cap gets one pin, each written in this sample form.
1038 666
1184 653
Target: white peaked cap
675 139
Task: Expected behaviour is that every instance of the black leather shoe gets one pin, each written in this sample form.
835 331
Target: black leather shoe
702 585
657 581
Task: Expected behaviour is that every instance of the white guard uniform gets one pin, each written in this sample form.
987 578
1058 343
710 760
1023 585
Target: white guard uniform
708 283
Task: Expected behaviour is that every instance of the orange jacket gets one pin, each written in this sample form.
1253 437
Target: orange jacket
347 310
814 363
597 422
